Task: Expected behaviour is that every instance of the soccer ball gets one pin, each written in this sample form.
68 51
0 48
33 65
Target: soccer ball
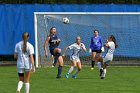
65 20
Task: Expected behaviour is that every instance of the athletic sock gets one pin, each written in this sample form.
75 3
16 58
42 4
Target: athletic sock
99 65
92 63
59 70
100 68
27 87
104 73
71 69
20 85
76 72
56 58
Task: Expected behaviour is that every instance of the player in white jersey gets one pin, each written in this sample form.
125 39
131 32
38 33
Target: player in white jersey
111 45
76 48
25 62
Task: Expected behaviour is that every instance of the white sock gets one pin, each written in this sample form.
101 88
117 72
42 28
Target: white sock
104 73
76 72
71 69
99 65
20 84
27 87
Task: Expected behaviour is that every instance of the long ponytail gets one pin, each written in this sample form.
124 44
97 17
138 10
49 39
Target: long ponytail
114 40
25 37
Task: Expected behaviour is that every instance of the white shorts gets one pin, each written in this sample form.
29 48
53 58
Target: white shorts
22 70
107 59
77 59
25 65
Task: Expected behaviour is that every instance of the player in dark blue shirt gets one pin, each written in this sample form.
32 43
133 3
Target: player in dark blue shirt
54 42
95 47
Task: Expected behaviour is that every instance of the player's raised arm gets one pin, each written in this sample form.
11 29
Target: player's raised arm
106 44
83 47
58 41
45 44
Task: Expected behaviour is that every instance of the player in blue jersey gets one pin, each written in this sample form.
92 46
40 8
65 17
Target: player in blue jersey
54 42
76 48
95 47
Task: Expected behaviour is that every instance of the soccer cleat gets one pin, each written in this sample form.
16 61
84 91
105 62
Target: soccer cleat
58 77
67 75
73 76
101 71
18 92
92 68
54 64
102 77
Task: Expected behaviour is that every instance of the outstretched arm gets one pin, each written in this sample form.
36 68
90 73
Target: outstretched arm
58 41
66 49
45 44
106 44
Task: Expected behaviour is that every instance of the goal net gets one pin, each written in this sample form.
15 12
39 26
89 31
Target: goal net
124 26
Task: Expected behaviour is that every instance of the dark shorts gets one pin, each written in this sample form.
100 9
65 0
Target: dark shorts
21 74
97 51
51 51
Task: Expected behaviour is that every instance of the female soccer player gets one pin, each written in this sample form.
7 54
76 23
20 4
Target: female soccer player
54 42
25 62
95 47
111 45
76 47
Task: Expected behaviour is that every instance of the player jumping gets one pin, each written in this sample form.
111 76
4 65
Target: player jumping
111 45
54 42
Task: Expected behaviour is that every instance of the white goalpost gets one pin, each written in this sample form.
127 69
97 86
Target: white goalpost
83 23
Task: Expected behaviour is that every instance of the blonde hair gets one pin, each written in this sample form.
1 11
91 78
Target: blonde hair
78 37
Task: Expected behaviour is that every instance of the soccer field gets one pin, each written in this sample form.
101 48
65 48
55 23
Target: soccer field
118 80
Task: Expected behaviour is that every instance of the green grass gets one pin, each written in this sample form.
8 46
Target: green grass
118 80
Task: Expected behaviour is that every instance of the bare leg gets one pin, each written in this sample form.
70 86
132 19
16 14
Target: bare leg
93 60
71 68
78 70
57 53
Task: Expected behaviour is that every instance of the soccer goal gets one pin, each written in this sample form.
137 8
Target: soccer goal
124 26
